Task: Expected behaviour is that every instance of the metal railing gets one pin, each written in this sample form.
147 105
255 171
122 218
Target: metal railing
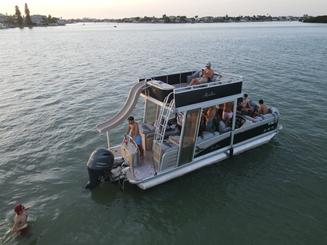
222 79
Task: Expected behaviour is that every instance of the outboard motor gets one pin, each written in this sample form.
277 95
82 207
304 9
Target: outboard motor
99 166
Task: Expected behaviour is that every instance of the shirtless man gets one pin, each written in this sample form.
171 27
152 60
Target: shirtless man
207 75
20 219
133 130
246 105
208 72
262 107
246 102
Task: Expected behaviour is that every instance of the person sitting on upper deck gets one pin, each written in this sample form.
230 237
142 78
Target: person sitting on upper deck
133 130
206 75
262 108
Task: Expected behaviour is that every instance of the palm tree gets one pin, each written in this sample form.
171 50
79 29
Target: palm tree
28 21
19 18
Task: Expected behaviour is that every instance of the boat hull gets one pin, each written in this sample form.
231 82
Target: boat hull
206 160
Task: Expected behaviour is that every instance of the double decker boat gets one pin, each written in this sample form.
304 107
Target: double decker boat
173 137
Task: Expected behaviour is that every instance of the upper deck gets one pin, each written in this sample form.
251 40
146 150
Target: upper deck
223 85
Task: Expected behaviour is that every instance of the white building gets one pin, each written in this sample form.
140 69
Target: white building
38 20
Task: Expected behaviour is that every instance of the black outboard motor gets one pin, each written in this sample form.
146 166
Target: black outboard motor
99 166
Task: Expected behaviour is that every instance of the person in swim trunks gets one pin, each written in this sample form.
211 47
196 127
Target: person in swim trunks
133 130
20 219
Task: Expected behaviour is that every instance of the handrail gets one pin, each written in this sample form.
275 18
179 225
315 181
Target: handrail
164 107
231 78
129 139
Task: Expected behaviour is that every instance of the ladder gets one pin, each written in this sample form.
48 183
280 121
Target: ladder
160 129
163 118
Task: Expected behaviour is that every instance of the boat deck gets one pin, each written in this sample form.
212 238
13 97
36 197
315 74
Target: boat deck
144 170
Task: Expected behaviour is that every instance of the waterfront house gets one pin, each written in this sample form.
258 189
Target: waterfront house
39 20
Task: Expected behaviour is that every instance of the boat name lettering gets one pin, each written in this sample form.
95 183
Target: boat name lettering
209 94
269 128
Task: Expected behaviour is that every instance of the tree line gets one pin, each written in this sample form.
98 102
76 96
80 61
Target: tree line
18 20
317 19
21 21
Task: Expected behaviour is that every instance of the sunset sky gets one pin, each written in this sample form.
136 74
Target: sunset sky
129 8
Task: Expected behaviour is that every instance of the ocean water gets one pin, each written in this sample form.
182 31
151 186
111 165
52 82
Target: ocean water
57 83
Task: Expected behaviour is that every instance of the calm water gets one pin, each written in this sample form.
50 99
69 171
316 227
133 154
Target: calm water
57 83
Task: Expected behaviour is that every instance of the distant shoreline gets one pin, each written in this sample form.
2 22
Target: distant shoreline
207 19
116 23
318 19
44 21
183 19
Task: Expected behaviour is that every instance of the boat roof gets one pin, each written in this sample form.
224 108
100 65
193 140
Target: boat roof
224 87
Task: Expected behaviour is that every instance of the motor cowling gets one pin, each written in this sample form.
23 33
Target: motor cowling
99 166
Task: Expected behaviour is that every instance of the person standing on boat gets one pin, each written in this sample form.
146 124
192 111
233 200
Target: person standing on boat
134 132
20 219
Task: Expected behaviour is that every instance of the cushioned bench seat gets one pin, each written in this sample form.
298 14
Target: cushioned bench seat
259 117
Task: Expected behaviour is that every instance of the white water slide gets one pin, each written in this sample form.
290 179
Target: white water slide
130 103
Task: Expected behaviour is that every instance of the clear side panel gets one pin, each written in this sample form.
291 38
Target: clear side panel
189 136
150 113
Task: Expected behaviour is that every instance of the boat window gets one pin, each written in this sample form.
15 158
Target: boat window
191 123
151 110
213 120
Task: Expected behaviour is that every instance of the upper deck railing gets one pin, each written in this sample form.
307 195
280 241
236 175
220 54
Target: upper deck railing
220 79
223 85
181 80
172 79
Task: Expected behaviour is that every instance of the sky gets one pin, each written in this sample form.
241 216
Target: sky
130 8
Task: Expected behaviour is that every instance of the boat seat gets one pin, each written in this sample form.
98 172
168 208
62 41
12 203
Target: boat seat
147 134
174 139
147 128
210 139
215 78
167 146
267 116
206 135
259 117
